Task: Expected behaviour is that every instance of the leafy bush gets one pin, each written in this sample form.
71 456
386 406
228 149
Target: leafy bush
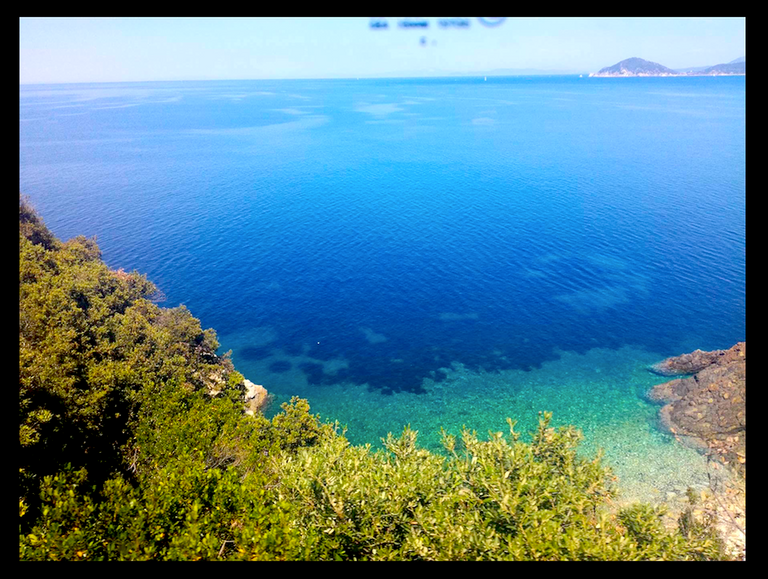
189 512
499 499
93 350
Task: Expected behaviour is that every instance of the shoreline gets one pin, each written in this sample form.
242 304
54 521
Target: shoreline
704 408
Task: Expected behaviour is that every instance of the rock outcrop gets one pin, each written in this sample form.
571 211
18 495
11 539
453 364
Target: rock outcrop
707 407
698 360
256 398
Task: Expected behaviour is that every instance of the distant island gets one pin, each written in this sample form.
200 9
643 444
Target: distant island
639 67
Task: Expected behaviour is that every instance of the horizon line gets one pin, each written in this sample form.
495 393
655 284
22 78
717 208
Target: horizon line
385 77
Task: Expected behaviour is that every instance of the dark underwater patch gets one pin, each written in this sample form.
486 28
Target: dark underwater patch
280 366
255 352
313 372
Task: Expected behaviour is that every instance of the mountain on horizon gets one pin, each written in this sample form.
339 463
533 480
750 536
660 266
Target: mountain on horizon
736 66
728 68
635 67
640 67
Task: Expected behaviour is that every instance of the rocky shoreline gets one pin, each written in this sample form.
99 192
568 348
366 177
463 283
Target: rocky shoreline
706 408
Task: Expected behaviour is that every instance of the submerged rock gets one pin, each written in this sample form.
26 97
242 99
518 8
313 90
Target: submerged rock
707 409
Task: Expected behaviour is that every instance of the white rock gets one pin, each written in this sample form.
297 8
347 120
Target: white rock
255 397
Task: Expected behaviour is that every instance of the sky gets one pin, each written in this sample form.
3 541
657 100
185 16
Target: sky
80 50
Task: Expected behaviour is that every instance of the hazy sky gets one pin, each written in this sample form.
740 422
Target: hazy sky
56 50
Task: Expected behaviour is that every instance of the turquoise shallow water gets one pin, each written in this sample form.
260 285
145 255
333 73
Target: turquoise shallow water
602 392
433 252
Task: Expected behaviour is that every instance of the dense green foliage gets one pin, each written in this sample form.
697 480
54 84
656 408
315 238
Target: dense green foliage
134 445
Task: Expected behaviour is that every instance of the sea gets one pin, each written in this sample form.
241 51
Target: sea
439 253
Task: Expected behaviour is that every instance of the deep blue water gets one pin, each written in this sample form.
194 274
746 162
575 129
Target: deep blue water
372 232
452 217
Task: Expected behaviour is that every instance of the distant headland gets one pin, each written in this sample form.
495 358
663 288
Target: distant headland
639 67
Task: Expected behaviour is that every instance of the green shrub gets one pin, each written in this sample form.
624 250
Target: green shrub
188 513
499 499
